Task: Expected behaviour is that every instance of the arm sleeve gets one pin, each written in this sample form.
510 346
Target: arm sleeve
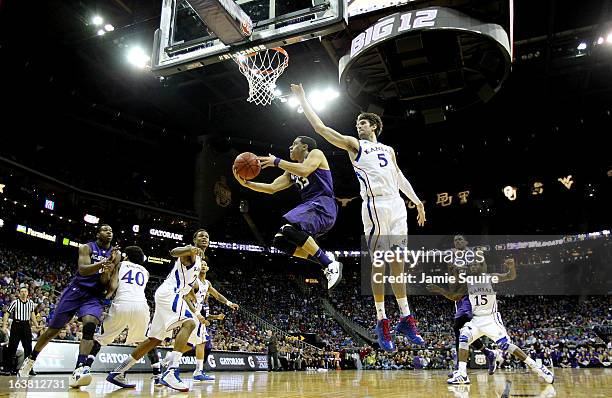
406 188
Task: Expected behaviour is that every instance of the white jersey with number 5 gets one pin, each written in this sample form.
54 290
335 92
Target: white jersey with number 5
483 299
375 170
133 280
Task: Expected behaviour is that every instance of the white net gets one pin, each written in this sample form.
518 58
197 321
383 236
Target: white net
261 70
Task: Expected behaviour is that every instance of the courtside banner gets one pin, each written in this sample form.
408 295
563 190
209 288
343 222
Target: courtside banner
59 357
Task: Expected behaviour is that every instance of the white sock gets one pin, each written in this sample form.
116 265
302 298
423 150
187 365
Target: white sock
530 362
380 310
200 365
403 305
463 368
126 365
176 359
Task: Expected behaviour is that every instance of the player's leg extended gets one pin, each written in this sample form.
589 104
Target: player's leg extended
292 240
67 306
171 377
81 375
407 323
199 374
469 332
117 375
43 340
383 325
505 344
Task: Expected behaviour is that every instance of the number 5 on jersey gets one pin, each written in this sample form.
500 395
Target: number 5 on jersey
383 160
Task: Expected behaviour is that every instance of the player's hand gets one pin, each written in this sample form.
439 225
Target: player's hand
240 180
233 306
509 262
115 256
266 161
421 215
220 316
298 90
196 251
203 320
107 265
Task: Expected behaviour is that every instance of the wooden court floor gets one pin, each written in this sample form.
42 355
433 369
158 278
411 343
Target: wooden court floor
388 384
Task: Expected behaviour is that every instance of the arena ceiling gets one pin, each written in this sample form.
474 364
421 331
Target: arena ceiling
64 80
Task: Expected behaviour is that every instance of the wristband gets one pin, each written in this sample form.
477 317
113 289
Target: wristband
277 161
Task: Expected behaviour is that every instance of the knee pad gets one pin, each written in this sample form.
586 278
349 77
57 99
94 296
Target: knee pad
282 244
294 235
504 344
464 342
89 328
465 338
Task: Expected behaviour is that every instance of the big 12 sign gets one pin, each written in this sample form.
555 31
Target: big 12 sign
398 23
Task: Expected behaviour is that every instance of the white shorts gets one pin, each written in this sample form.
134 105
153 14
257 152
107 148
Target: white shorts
485 325
384 222
198 336
169 314
134 316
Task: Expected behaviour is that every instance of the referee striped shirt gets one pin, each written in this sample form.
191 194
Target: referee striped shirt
21 311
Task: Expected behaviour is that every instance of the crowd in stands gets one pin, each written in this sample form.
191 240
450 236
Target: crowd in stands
553 328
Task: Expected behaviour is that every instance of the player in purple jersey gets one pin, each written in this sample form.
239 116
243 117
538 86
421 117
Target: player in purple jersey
84 297
310 173
463 309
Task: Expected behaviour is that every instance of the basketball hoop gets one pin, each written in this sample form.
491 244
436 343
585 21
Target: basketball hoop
261 69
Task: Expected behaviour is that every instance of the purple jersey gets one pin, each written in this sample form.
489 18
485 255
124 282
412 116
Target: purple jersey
463 307
318 183
92 282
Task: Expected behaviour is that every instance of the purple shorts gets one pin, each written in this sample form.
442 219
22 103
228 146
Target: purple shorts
315 217
75 300
463 307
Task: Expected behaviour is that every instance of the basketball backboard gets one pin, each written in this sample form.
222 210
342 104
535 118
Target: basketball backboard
184 42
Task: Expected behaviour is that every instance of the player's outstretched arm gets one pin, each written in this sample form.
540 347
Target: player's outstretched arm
511 274
281 182
186 251
345 142
406 188
455 296
221 298
311 163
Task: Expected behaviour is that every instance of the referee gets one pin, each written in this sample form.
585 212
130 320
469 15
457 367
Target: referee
22 312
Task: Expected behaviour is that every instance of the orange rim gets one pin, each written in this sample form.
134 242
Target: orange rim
270 71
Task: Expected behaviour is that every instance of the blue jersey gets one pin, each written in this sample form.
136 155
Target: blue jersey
318 183
92 282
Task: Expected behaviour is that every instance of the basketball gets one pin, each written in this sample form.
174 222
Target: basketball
247 166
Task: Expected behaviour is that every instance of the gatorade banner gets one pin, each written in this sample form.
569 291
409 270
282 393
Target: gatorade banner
60 357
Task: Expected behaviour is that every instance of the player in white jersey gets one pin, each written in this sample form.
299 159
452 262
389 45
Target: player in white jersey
487 321
383 211
198 338
129 308
170 313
